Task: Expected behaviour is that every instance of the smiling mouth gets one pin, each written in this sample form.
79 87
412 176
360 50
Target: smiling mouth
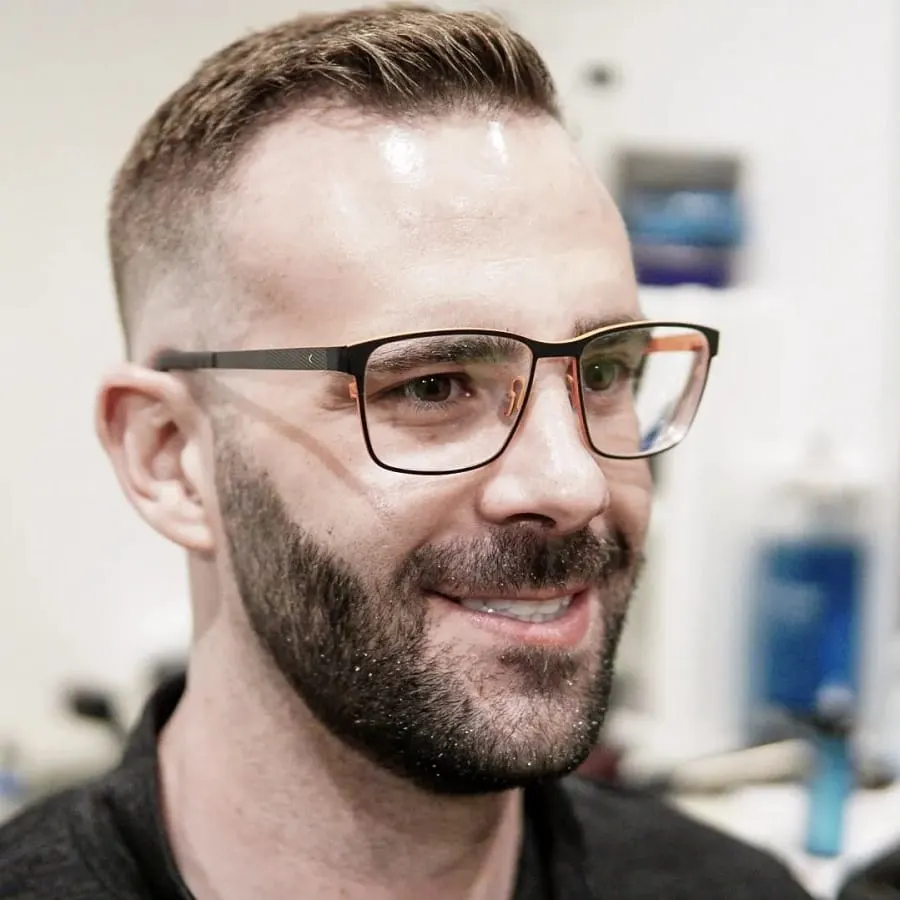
533 611
536 611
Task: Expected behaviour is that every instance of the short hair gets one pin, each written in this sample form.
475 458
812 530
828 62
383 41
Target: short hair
401 61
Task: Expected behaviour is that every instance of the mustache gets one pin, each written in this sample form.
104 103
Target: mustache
520 558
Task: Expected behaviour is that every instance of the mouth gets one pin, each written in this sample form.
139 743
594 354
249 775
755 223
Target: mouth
534 611
560 619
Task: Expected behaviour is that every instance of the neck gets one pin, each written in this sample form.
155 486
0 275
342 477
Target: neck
259 799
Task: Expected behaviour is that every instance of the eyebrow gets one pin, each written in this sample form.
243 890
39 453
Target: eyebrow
593 323
442 350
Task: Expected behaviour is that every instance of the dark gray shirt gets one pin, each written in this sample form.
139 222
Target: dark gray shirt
582 841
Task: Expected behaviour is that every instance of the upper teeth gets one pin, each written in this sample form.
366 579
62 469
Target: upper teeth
524 610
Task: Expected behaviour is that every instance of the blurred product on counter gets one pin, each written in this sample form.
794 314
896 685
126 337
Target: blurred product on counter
12 786
780 762
773 763
832 778
807 606
806 618
684 215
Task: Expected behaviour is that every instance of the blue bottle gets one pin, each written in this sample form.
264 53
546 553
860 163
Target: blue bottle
832 778
805 637
807 605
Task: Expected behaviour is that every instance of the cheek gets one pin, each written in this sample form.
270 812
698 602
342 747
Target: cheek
631 498
370 516
375 526
409 510
331 486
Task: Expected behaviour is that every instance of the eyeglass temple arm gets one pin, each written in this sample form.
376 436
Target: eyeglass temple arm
307 359
676 343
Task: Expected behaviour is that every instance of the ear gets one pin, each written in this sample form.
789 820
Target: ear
153 433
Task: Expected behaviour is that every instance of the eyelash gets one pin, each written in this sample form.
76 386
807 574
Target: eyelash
396 393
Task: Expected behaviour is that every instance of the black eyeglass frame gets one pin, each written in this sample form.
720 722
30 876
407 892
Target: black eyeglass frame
352 360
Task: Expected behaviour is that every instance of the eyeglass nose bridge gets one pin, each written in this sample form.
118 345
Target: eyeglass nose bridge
518 389
573 384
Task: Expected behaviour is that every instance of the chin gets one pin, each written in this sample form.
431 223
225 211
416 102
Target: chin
502 776
512 743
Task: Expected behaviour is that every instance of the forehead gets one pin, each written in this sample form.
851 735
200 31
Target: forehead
343 229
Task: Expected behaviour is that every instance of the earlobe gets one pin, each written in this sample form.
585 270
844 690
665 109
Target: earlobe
150 428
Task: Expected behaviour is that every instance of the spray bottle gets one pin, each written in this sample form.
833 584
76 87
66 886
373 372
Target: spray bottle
808 608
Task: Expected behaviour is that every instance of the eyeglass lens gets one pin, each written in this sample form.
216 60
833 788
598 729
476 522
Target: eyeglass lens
448 402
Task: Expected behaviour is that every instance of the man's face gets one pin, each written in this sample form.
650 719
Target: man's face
360 583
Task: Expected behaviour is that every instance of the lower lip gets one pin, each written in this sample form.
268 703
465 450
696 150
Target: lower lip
568 630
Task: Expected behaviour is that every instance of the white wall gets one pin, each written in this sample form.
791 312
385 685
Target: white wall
808 93
806 90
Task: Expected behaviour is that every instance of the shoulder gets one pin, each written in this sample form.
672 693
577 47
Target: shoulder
649 850
38 854
64 846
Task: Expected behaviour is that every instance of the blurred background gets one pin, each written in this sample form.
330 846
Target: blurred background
755 150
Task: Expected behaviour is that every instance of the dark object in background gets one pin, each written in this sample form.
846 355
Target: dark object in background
165 670
600 75
878 881
602 765
97 706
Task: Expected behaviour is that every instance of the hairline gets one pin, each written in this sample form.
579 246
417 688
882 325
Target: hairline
202 257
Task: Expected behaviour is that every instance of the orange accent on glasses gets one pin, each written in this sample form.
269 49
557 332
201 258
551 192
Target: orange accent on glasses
676 342
574 385
515 396
354 391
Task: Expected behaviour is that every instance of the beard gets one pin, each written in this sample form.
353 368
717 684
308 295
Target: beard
451 719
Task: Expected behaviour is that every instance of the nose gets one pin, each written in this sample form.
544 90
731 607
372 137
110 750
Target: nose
548 474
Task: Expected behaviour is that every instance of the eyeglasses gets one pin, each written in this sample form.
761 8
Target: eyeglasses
443 402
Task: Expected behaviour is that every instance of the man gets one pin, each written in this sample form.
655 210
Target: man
387 390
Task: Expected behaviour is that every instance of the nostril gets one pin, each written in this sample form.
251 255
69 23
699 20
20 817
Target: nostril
539 520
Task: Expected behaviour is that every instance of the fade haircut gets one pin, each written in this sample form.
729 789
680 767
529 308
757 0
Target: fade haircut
399 61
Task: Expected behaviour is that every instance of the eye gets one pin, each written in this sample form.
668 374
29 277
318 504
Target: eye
430 389
602 374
